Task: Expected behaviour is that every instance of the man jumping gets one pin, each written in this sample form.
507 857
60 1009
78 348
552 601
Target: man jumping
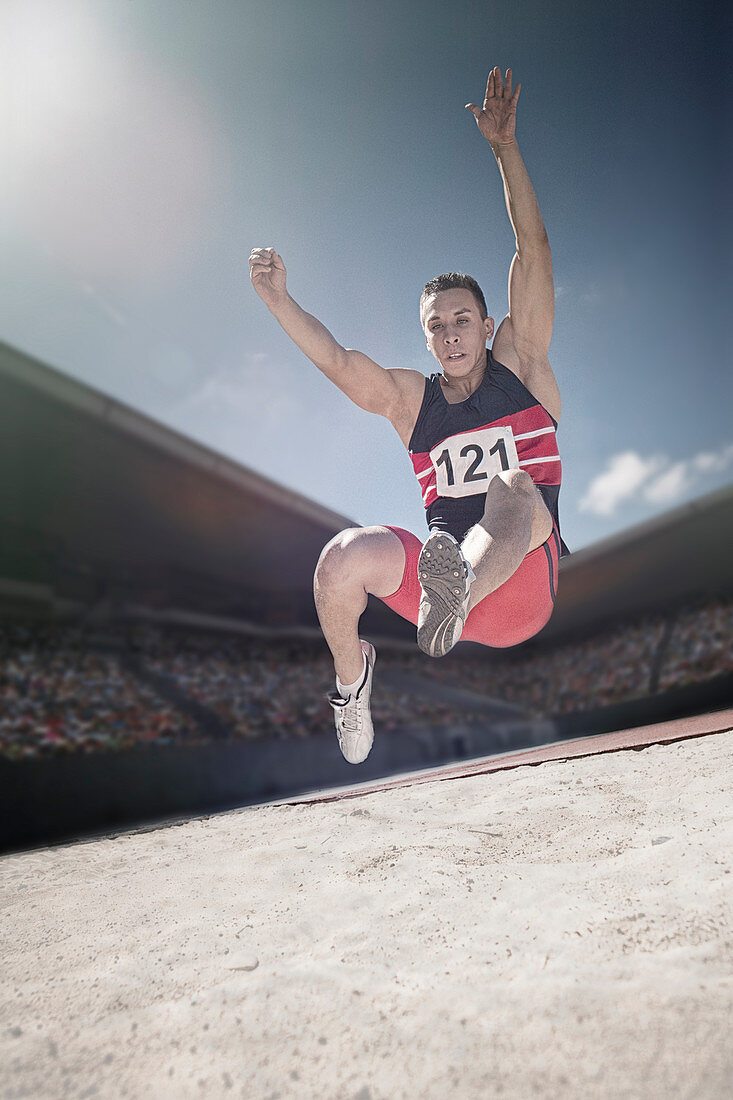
481 437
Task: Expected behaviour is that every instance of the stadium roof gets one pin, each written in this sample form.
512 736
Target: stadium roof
100 503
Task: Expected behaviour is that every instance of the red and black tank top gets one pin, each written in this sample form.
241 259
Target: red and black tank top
457 448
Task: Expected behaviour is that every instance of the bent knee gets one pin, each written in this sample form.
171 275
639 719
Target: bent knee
511 487
517 481
513 495
335 555
369 555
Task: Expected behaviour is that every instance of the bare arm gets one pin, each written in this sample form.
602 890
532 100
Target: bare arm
368 385
531 288
525 333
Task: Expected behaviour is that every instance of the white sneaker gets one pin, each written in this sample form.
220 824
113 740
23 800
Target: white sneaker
445 578
353 718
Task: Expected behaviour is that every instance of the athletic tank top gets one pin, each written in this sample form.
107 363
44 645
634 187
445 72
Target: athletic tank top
457 448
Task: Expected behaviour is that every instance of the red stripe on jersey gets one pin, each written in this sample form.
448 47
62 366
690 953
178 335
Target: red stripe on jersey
426 477
420 462
544 473
529 420
544 445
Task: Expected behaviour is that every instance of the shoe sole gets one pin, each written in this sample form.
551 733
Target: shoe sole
441 571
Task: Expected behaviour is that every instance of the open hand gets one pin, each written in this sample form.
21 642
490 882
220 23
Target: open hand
497 118
268 274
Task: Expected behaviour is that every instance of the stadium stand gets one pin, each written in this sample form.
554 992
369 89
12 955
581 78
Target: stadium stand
64 689
631 660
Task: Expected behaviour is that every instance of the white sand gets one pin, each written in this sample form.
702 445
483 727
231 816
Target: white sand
554 931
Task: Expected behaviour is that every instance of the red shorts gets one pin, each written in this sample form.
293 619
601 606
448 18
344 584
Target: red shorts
514 612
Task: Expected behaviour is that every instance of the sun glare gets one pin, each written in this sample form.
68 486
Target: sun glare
53 59
111 161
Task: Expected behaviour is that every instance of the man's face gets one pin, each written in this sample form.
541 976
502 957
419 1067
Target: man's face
455 331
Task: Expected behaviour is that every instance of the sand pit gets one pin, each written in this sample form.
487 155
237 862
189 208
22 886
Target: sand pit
562 930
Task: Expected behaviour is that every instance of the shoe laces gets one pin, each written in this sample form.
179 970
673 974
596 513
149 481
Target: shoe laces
351 715
348 712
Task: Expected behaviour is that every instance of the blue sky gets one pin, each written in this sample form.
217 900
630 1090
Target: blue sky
151 144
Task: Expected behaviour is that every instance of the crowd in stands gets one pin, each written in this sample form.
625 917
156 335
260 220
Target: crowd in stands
605 669
71 689
58 693
243 683
65 689
261 689
632 660
700 645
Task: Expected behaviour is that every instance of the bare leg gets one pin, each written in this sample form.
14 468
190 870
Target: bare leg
515 521
356 563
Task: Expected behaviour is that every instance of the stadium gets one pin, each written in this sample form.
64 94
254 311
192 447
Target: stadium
130 636
526 890
146 711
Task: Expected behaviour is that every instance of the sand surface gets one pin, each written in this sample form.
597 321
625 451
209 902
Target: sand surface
556 931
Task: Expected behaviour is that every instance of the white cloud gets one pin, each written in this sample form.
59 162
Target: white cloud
714 463
669 485
656 480
625 475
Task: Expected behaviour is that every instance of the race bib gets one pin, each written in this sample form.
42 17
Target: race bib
465 463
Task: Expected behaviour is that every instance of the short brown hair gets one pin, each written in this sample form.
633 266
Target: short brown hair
453 280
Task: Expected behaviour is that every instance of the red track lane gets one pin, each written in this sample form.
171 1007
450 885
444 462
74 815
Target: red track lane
679 729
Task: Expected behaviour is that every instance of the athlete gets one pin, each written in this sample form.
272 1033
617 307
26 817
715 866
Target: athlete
481 437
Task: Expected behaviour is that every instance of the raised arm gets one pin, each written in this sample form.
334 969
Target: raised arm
525 333
368 385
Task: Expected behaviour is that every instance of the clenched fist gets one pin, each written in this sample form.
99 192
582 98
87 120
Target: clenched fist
268 274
